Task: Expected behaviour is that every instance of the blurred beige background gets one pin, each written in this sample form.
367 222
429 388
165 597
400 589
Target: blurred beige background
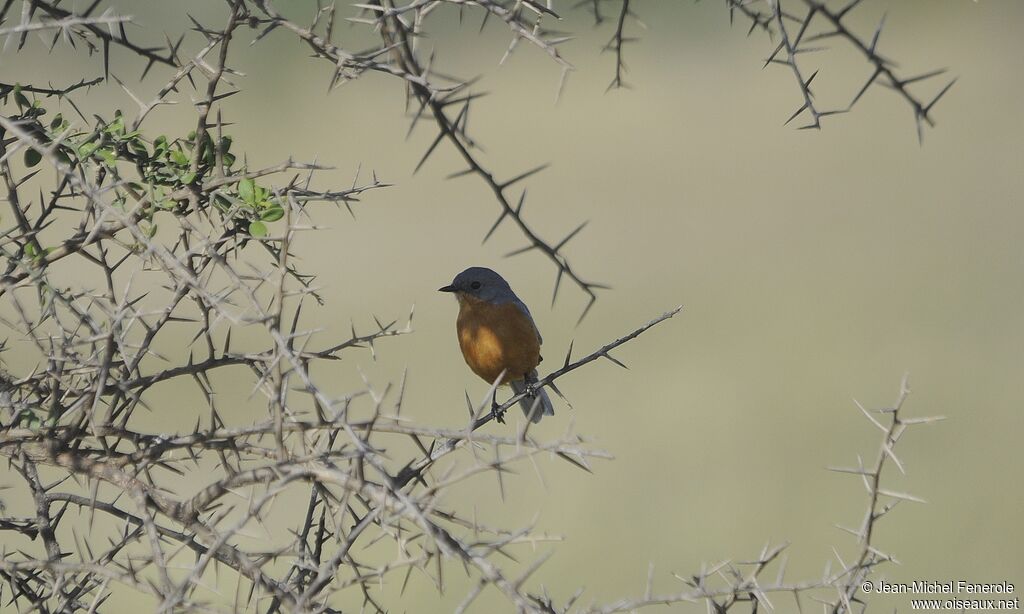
814 268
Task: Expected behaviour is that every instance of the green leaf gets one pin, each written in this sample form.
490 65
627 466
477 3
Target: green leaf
57 120
107 155
26 417
160 198
272 214
139 148
179 157
31 251
258 229
86 149
32 157
247 191
221 203
20 98
116 126
188 178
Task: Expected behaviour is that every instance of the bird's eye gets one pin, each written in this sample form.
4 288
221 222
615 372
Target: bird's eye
475 285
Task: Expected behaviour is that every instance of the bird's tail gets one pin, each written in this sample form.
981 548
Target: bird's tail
535 405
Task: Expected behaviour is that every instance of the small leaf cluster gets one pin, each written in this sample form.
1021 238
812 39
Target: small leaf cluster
259 203
171 173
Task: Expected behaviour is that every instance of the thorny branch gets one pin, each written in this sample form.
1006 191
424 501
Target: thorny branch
807 31
616 43
727 584
801 36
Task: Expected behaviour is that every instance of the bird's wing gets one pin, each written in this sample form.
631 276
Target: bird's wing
522 307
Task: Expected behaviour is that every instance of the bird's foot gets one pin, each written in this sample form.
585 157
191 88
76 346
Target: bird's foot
496 412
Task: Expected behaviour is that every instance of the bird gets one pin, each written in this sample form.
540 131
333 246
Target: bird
498 338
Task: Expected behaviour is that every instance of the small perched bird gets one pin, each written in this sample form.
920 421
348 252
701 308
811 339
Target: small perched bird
498 336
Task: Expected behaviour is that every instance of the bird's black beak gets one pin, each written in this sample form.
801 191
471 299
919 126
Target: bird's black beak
447 289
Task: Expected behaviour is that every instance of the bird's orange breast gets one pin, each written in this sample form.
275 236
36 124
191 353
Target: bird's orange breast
496 338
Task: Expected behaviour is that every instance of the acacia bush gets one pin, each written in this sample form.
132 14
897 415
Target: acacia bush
96 204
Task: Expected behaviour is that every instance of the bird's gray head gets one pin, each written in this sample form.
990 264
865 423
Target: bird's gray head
481 283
